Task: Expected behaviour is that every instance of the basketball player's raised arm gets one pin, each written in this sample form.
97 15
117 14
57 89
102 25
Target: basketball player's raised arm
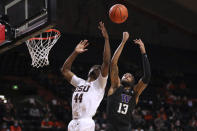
143 82
66 68
115 80
106 52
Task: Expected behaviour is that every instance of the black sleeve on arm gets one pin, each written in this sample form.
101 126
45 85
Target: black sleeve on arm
146 69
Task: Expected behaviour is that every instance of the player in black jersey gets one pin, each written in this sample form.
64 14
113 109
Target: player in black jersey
123 94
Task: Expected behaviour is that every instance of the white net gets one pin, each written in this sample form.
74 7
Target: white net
39 47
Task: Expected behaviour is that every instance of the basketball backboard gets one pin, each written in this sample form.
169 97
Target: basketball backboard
24 19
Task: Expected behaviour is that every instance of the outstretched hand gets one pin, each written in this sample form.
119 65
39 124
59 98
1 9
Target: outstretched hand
125 36
103 30
81 47
138 42
141 45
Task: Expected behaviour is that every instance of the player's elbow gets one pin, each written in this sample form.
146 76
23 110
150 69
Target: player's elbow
67 74
65 68
149 75
64 71
107 63
146 78
113 62
106 60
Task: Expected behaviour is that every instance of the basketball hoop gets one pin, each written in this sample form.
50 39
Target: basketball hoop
40 46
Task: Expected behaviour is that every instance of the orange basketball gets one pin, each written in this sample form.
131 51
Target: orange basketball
118 13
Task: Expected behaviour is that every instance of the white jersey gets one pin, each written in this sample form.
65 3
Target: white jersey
87 96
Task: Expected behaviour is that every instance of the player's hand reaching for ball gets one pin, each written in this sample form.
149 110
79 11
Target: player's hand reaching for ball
141 45
81 47
103 30
125 36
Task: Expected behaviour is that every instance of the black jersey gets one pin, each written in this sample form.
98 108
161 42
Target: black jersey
119 108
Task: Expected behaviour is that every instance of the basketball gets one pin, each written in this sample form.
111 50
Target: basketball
118 13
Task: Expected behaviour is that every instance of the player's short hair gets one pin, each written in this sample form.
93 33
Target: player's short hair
96 67
92 70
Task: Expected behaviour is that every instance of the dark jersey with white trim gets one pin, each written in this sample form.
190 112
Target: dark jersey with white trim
119 108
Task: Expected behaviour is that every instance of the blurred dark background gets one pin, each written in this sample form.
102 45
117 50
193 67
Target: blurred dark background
40 99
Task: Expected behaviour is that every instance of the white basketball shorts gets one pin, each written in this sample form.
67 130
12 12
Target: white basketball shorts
82 124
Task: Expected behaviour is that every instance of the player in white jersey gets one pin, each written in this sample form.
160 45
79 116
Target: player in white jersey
88 93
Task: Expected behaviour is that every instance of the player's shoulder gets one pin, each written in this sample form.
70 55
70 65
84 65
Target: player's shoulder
77 78
101 81
76 81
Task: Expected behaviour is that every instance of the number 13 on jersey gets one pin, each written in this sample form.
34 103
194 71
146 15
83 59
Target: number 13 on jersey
123 108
